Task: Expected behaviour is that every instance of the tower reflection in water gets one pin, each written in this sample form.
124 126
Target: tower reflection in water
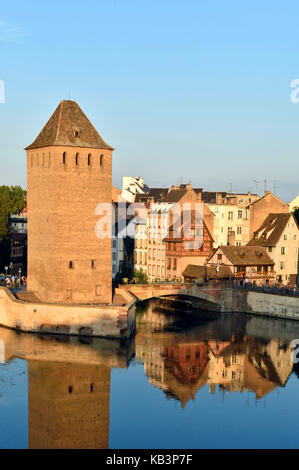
69 382
68 387
68 405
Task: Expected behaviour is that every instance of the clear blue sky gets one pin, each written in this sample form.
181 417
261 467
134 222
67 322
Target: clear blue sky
191 89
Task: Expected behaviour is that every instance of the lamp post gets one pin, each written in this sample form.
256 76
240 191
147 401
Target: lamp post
10 267
20 272
6 269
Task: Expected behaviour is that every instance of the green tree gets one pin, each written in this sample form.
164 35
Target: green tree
12 201
140 276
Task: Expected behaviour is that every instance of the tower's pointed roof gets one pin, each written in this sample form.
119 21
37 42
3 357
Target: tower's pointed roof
68 126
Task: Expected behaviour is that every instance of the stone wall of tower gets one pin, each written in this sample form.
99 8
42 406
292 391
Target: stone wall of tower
62 197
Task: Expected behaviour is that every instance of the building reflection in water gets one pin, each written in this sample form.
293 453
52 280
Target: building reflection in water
69 382
219 353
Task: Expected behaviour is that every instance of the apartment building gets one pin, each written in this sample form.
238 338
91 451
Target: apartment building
230 218
141 247
279 235
238 215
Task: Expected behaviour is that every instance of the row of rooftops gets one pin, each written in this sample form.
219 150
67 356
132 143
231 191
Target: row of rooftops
175 193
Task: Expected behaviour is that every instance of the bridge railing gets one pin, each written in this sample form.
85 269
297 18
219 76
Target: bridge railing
288 291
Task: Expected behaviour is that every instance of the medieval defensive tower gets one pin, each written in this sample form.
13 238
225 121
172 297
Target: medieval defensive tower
69 171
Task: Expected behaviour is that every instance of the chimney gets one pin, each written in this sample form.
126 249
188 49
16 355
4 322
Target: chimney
231 238
189 186
219 199
267 192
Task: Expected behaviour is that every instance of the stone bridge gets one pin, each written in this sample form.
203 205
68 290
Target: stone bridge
210 295
222 297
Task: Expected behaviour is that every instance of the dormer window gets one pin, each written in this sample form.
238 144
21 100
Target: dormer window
77 133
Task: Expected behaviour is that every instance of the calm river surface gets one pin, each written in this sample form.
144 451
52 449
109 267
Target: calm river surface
228 381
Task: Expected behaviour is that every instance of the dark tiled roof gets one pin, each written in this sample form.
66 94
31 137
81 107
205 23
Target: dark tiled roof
210 197
67 120
246 255
174 195
194 271
153 193
224 272
158 193
271 230
198 272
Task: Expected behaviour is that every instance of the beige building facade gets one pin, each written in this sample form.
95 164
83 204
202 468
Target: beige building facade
230 218
141 247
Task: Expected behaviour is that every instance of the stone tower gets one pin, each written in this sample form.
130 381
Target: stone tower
69 172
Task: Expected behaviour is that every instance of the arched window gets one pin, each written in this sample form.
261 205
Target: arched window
64 158
101 160
77 159
89 159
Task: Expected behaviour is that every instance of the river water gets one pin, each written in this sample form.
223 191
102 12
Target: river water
218 381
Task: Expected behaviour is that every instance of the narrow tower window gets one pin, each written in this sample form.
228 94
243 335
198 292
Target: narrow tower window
71 265
77 159
64 158
92 264
101 160
89 159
